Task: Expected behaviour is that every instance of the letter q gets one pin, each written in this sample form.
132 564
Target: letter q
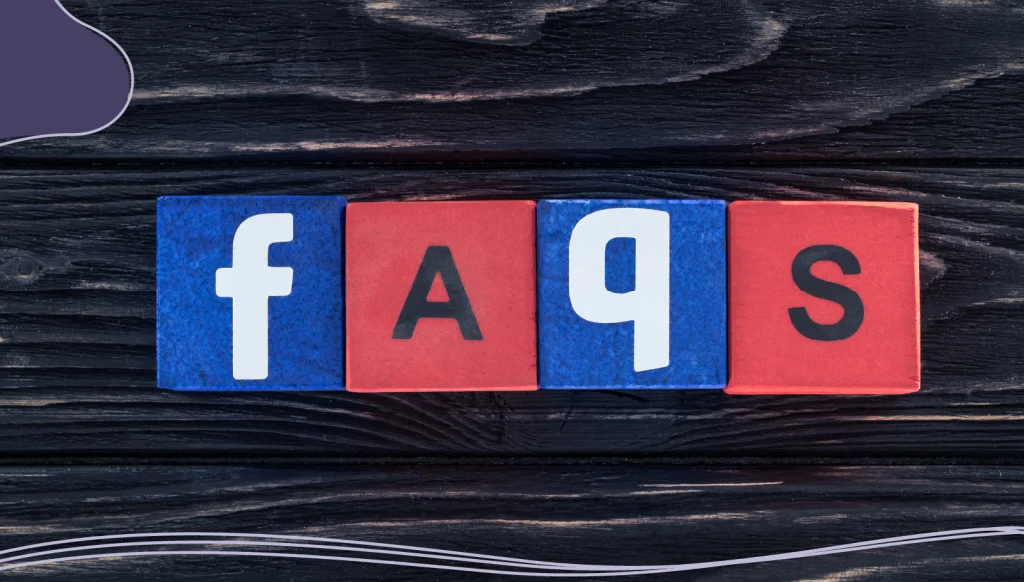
647 305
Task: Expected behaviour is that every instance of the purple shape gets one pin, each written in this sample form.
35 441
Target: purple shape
58 75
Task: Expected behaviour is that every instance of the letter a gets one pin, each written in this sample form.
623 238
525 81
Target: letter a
437 261
647 305
250 282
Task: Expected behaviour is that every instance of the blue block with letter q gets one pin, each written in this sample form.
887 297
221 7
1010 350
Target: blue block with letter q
631 294
249 293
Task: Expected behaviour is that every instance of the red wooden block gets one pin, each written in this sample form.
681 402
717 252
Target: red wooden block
823 298
441 296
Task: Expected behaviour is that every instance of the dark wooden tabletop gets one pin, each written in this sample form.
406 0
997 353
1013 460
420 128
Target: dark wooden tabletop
918 101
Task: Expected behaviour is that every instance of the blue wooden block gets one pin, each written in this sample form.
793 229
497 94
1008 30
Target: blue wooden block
249 293
631 294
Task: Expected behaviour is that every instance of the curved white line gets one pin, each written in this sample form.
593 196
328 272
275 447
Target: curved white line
328 558
352 545
131 87
561 570
342 542
492 562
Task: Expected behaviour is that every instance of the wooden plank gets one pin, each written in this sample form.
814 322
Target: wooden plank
626 515
77 356
420 80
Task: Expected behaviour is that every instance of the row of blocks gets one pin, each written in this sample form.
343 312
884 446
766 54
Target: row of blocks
312 293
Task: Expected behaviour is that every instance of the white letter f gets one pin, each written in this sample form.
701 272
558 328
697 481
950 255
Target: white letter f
250 283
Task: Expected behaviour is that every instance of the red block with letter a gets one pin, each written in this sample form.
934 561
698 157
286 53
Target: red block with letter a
823 298
441 296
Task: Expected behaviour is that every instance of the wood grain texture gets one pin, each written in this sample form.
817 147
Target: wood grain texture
77 353
232 96
613 514
672 80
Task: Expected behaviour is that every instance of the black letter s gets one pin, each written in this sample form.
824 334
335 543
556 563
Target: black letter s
437 260
853 307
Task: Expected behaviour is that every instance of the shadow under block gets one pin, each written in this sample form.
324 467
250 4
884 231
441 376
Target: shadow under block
249 293
441 296
823 298
631 294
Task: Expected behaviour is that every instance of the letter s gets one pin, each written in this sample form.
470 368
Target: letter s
853 307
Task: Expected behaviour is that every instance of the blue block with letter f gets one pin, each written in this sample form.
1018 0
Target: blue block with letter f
249 293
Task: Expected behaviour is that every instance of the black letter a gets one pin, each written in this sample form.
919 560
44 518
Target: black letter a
437 260
853 307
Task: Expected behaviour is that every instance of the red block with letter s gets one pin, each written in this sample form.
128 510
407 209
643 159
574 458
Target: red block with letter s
441 296
823 298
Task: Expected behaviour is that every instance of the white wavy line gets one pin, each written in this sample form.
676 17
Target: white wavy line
331 559
131 87
344 542
555 569
492 562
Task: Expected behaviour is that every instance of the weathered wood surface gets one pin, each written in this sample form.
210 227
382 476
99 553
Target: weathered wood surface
618 87
77 358
416 80
614 515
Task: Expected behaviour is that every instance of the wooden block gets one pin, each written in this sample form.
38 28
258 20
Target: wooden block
249 293
632 294
823 298
441 296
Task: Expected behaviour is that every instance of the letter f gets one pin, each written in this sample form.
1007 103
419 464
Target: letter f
250 283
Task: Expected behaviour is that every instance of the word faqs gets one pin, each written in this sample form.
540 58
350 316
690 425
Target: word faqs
312 293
